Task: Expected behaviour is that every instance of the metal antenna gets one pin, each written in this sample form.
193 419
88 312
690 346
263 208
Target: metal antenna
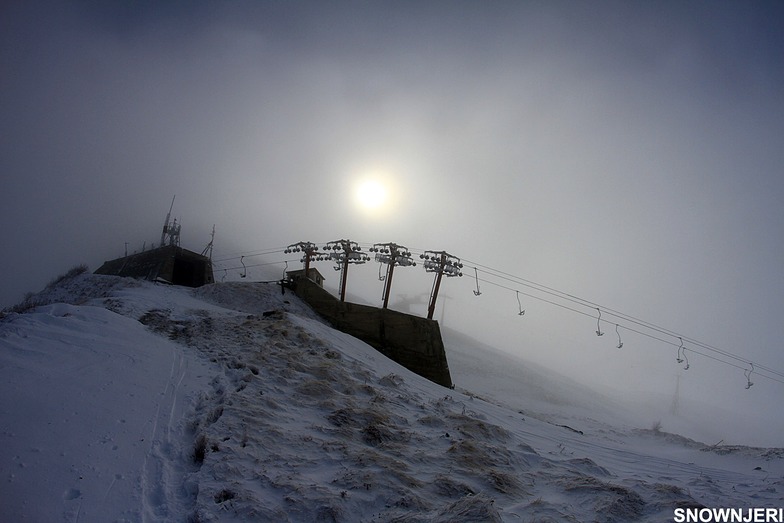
171 231
678 357
244 269
598 327
620 343
208 249
166 223
747 373
519 305
477 292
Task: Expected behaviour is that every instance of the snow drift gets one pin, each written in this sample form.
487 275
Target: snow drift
130 401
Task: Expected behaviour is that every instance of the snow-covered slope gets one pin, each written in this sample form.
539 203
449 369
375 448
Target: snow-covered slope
128 401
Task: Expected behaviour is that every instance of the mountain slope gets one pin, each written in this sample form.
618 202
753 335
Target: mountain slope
128 401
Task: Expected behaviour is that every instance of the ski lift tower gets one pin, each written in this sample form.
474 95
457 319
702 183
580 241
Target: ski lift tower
393 255
309 251
344 252
442 263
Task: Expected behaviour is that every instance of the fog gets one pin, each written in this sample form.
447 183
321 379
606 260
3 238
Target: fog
627 154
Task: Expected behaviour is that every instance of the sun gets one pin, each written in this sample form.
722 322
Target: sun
371 194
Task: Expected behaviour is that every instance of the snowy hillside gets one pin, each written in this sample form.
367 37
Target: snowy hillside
128 401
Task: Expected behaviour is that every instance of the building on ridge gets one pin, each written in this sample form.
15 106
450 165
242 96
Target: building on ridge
168 263
313 274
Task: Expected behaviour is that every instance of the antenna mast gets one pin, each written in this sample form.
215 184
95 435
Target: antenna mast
171 231
208 249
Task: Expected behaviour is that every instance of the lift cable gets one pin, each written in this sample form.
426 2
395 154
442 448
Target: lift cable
612 312
757 368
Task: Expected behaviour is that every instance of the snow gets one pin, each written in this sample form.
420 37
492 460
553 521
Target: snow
132 401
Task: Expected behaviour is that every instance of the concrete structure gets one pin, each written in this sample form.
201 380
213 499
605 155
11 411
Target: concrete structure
170 264
409 340
314 275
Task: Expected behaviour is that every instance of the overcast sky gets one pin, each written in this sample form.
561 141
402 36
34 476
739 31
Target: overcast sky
628 153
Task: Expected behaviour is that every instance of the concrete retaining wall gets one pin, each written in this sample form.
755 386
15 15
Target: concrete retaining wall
411 341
